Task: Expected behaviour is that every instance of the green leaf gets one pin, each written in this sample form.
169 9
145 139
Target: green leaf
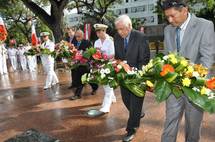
177 92
162 90
201 101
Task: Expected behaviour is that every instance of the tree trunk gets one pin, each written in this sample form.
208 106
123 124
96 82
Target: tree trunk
53 21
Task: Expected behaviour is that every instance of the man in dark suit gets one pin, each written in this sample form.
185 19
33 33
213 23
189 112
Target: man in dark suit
70 37
81 44
131 46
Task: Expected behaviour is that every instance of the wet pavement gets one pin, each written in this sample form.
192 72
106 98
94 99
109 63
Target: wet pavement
25 105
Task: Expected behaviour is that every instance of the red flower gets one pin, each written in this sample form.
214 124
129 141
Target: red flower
97 55
105 57
78 56
34 40
166 69
116 69
83 60
211 83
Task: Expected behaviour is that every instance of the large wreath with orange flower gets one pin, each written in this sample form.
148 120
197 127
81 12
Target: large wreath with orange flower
165 75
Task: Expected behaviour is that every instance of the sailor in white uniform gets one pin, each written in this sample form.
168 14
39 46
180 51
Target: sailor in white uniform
48 61
22 57
106 45
30 60
12 54
3 59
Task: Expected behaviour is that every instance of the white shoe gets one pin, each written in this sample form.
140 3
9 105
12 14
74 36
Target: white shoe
114 99
46 87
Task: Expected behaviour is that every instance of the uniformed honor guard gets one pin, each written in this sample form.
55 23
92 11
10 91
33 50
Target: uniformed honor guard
106 45
12 54
3 59
22 57
48 61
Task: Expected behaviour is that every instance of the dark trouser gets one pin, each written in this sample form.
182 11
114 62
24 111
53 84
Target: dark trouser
77 73
134 105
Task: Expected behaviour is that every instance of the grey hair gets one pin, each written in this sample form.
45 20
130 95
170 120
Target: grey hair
125 19
80 31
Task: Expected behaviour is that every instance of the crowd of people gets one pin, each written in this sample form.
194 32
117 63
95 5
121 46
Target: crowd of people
190 36
13 59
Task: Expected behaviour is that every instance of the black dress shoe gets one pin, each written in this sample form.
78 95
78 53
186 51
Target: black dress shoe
75 97
142 115
128 137
71 87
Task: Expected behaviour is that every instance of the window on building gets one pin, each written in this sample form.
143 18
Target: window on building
133 10
141 8
126 1
122 11
151 7
126 10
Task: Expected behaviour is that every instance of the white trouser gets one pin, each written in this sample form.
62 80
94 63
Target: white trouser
13 62
4 64
48 65
23 62
30 61
109 97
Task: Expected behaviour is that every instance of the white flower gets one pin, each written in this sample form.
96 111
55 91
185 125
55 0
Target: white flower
195 89
102 71
165 57
119 66
131 72
125 61
196 74
111 78
102 75
107 71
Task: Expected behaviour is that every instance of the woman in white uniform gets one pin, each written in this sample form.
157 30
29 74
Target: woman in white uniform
22 57
106 45
12 54
48 61
3 59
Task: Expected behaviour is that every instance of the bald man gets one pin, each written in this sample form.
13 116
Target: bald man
81 44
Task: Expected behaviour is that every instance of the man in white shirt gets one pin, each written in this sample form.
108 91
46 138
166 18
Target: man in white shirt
48 61
12 54
3 58
106 45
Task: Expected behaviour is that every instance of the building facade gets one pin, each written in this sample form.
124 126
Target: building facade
136 9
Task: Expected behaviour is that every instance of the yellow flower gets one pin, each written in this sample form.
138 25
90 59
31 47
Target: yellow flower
173 60
149 83
171 55
184 62
190 69
186 82
203 90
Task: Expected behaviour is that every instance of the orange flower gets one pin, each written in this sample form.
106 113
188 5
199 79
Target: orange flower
211 83
166 69
125 66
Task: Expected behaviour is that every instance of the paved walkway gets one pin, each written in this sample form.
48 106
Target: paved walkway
24 105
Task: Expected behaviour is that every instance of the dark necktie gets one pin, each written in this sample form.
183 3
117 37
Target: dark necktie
178 43
78 44
125 44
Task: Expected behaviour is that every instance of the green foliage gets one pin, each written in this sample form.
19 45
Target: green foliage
18 21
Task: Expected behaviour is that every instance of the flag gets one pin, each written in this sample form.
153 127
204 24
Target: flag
34 40
3 31
87 31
